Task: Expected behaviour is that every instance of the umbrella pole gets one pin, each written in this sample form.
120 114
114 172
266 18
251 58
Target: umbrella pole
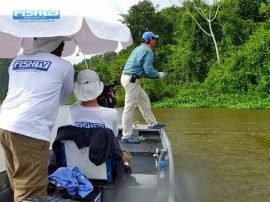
85 61
82 53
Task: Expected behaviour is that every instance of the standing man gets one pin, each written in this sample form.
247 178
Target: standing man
139 64
39 82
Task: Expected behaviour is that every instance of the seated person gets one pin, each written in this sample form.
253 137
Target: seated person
86 112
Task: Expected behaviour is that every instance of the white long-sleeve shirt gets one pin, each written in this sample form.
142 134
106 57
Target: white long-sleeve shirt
38 85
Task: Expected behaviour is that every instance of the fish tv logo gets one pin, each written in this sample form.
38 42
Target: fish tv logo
89 125
32 65
36 14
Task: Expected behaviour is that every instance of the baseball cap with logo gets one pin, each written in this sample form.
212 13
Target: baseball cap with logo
149 35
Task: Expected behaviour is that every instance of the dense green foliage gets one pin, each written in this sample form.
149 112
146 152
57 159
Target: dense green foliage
4 64
187 55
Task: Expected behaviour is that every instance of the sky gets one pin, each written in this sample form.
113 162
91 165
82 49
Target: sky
124 5
120 7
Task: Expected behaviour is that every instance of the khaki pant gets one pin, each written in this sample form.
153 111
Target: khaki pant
135 96
26 164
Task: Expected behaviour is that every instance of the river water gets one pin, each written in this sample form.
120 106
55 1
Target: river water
219 154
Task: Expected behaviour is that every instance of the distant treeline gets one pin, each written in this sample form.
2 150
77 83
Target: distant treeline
188 55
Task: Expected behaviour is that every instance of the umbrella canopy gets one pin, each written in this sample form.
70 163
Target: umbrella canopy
89 24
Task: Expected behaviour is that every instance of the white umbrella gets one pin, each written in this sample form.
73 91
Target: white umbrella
89 24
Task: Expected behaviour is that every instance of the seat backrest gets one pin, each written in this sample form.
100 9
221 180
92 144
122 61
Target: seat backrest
73 156
71 148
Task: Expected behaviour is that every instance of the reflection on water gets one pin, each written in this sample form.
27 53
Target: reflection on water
219 154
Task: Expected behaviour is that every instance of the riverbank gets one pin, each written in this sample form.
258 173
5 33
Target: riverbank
229 101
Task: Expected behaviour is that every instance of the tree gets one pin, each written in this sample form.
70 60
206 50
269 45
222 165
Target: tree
265 9
235 30
140 18
247 70
189 59
250 10
144 16
205 9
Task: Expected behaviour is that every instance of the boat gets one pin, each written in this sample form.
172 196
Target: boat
149 182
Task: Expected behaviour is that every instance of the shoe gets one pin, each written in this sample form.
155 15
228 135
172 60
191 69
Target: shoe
158 126
130 140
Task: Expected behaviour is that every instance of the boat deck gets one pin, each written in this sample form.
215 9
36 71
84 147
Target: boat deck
145 186
151 142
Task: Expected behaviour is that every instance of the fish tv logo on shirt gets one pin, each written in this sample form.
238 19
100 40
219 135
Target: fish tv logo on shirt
40 65
36 14
89 125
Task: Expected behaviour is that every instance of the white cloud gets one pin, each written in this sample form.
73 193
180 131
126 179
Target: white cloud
125 5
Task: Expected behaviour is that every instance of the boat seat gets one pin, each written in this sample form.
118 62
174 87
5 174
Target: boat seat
73 156
90 149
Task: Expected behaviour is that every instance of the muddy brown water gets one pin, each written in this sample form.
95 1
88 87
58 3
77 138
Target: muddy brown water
219 154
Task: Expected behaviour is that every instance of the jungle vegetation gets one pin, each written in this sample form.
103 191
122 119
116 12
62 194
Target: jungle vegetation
239 78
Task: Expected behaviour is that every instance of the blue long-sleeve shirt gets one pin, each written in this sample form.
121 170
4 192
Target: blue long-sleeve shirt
140 62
